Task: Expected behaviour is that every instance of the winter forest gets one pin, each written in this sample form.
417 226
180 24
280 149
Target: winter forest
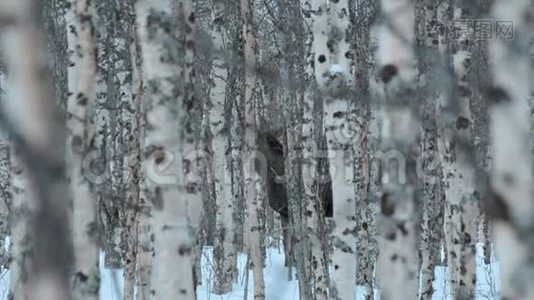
266 149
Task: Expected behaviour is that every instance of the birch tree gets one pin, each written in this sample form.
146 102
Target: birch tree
397 261
133 171
511 179
430 44
191 135
125 136
6 192
144 248
164 57
319 270
363 17
337 84
252 179
22 210
225 253
81 80
28 115
461 211
144 233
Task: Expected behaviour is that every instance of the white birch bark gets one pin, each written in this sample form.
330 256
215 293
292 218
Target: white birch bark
145 247
81 82
318 263
511 178
191 134
30 118
252 179
163 149
461 212
22 211
225 252
337 93
430 173
397 261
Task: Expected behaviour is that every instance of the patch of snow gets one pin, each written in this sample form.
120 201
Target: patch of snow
277 287
111 281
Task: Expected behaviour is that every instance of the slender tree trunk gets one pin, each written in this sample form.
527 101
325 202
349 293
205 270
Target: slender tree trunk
6 191
101 121
22 211
125 138
191 135
511 206
364 14
167 190
145 248
252 179
337 90
430 42
461 210
225 252
81 78
397 262
237 143
133 172
53 14
29 116
318 263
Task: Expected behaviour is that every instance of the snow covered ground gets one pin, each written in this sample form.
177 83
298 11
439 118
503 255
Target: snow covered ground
277 287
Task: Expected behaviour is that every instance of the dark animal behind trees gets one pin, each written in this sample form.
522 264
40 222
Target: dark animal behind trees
269 145
274 170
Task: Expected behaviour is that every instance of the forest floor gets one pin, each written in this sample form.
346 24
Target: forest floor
277 286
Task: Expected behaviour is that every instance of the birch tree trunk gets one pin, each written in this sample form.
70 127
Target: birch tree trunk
479 78
318 264
225 252
337 92
461 210
397 261
29 117
430 43
363 16
430 176
145 247
6 196
170 178
81 80
6 192
22 211
238 190
191 135
101 123
126 135
133 172
511 206
252 180
162 58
